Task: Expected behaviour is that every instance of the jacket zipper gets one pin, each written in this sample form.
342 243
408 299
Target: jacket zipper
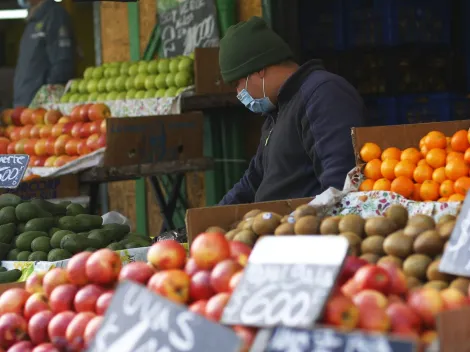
270 131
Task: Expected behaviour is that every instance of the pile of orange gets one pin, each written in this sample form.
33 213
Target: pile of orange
438 170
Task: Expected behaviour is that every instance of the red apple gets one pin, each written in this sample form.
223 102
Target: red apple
210 248
403 317
13 328
398 284
91 329
76 130
172 284
30 146
50 143
92 142
198 307
71 147
84 112
33 283
190 267
168 254
82 147
11 148
6 116
57 328
15 134
350 267
95 127
25 131
76 269
350 288
67 129
59 145
8 130
75 333
222 273
62 160
427 303
370 298
240 252
22 346
62 297
45 131
372 277
57 130
200 286
37 326
13 300
137 271
453 298
52 117
373 319
86 298
75 115
98 112
19 146
37 302
103 302
103 266
53 278
215 306
85 130
101 142
247 335
235 280
45 347
40 147
64 119
38 116
35 131
103 127
50 161
16 115
341 311
26 117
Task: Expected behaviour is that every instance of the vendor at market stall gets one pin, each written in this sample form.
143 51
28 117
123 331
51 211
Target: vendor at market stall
47 50
305 144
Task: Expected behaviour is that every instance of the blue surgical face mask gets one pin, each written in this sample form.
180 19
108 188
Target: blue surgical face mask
258 106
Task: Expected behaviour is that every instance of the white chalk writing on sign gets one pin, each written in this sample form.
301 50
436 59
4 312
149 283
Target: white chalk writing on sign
12 169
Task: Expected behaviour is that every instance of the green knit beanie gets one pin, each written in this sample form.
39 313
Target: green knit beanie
248 47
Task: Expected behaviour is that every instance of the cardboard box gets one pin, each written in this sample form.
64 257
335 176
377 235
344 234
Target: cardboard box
143 140
208 79
4 287
401 136
199 219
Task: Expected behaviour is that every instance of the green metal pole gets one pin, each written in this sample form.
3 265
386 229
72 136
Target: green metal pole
140 188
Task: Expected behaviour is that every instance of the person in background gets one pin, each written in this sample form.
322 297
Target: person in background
305 144
47 50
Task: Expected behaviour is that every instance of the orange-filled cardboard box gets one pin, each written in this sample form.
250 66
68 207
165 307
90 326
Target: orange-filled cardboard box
199 219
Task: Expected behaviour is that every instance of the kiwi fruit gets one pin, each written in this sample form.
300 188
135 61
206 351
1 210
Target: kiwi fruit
285 229
265 223
379 226
284 219
231 234
251 214
437 285
433 273
416 265
370 258
445 229
413 231
373 244
304 210
216 229
352 223
429 242
235 225
307 225
354 242
461 284
423 221
446 218
398 262
330 225
246 236
398 245
412 282
398 214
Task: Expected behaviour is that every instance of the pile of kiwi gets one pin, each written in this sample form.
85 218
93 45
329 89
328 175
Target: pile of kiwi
414 244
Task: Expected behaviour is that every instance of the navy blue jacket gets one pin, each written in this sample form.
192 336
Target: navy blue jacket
305 145
47 52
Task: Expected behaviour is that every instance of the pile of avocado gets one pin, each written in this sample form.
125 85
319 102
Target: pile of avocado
38 230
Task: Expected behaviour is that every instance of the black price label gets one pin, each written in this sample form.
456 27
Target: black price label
12 169
140 321
287 281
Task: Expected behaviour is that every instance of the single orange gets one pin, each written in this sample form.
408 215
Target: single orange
411 154
443 199
446 188
439 175
402 185
435 139
462 185
416 192
422 162
372 169
370 151
366 185
421 142
454 155
424 151
405 168
436 158
456 168
388 168
429 190
456 198
382 185
468 135
466 156
391 153
459 141
423 173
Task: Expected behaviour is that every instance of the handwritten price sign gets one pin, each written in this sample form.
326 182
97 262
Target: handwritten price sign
12 169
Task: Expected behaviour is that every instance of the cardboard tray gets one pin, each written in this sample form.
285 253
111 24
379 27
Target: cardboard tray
199 219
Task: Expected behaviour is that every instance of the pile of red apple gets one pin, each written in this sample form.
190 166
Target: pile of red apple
52 139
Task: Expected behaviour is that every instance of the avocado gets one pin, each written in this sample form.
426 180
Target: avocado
57 237
4 249
40 224
64 204
41 244
119 230
10 276
69 223
20 228
38 256
142 241
7 215
75 209
23 256
58 254
89 222
2 269
75 243
27 211
130 245
53 230
7 232
54 209
23 242
13 254
9 200
115 246
107 236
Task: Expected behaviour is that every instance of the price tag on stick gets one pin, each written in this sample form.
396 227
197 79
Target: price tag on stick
12 169
138 320
456 257
287 281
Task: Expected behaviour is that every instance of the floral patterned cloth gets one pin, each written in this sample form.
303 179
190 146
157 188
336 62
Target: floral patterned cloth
48 94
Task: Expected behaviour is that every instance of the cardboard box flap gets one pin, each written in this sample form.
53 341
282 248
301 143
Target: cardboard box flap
199 219
401 136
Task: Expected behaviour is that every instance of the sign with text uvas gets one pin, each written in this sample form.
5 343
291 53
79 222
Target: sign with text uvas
138 320
287 281
187 25
12 169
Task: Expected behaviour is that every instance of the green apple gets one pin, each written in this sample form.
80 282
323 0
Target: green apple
111 96
183 79
122 95
170 80
186 64
74 98
124 69
143 67
174 64
152 67
65 98
82 87
110 84
164 65
160 93
74 86
150 82
130 83
191 56
88 73
140 94
139 81
160 81
120 83
150 93
102 85
93 96
101 97
131 94
180 90
170 92
92 86
113 72
133 70
98 73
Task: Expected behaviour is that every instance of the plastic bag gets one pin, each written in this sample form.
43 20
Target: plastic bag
113 217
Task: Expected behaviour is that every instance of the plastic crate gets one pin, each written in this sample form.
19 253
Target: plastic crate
381 111
421 21
367 23
420 108
321 24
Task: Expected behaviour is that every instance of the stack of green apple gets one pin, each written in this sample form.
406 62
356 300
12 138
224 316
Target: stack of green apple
158 78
